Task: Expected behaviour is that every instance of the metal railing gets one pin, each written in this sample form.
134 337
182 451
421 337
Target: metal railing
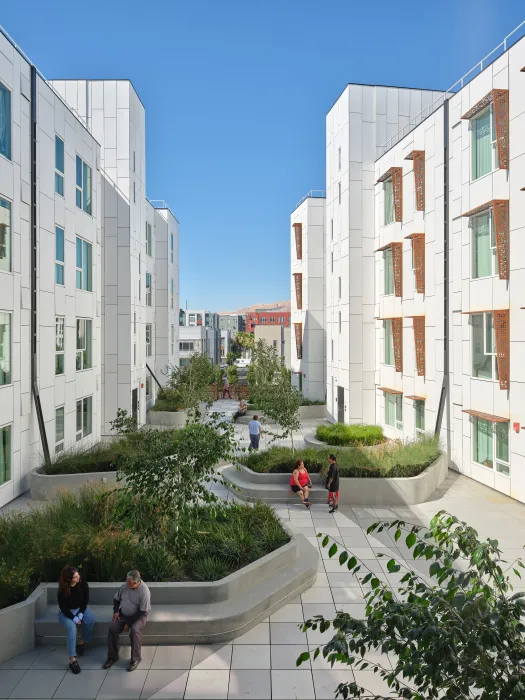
319 194
508 41
158 203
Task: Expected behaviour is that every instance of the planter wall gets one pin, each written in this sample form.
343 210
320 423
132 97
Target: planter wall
174 419
311 412
353 491
311 441
44 487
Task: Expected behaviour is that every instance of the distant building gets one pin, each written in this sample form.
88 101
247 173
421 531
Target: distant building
232 322
199 339
226 341
201 317
279 338
267 317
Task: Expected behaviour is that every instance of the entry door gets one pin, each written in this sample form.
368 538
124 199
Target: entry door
340 404
135 404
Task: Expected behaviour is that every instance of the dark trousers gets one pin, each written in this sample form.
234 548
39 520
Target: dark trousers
135 635
254 441
225 391
238 414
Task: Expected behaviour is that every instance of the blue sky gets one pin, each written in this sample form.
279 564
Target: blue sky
236 93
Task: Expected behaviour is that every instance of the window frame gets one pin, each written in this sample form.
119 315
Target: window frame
387 323
8 240
81 432
388 183
149 240
492 244
83 271
85 351
60 264
419 412
172 339
149 339
59 174
149 395
494 440
9 452
149 289
9 154
339 193
494 363
397 401
388 272
80 189
493 141
186 342
9 361
172 247
59 442
60 334
172 292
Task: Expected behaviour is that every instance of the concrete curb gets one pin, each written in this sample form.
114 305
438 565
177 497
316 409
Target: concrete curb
311 441
44 487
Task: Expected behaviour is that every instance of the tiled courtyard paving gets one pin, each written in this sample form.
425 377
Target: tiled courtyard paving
261 664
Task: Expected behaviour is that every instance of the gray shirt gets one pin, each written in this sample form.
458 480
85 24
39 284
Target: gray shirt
254 427
133 599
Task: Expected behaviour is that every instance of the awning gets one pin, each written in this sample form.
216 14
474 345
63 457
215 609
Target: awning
413 235
481 311
416 398
413 154
386 390
484 207
486 416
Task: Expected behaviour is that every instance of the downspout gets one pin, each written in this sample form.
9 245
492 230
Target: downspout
445 387
34 367
154 377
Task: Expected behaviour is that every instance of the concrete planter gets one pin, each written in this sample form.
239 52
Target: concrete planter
311 412
353 491
44 487
311 441
182 613
174 419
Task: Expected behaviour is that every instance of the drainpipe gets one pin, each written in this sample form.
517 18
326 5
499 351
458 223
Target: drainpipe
445 387
154 377
34 326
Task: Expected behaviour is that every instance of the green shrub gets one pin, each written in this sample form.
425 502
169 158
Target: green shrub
168 400
391 460
312 402
340 434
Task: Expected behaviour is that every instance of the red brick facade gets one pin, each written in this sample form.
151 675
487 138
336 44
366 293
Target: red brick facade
267 318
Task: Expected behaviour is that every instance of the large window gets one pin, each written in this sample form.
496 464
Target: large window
149 340
5 235
5 454
491 445
59 166
59 344
149 289
186 346
148 386
172 245
172 339
59 255
388 272
84 417
394 410
5 348
84 342
172 292
388 196
84 263
59 429
149 242
483 246
5 122
419 409
84 186
484 361
388 342
484 144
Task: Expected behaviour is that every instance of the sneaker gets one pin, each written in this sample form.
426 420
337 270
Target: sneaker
109 663
80 649
74 667
308 504
133 665
333 509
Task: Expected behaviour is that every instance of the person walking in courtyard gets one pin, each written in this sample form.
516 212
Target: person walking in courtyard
131 605
301 483
243 407
255 430
74 614
332 483
226 388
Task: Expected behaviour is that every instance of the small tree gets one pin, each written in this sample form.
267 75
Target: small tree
264 367
123 424
193 382
232 374
280 403
245 340
461 637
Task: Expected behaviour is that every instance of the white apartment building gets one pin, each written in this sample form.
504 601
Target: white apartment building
226 341
76 328
277 337
201 317
308 351
201 340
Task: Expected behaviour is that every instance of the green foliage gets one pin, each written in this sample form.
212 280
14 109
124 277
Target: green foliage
264 367
340 434
392 460
192 383
232 374
123 423
459 636
245 340
280 403
311 402
168 400
86 530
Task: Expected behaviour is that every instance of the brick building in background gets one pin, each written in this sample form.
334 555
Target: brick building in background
267 317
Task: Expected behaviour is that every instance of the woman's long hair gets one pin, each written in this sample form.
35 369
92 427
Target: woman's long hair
64 580
298 463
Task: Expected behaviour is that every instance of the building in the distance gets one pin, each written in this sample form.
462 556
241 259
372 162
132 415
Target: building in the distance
267 317
201 340
226 341
277 337
201 317
232 322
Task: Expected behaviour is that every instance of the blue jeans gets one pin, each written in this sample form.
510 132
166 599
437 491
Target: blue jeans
87 624
254 441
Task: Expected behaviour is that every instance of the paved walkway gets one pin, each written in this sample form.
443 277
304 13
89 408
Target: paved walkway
261 664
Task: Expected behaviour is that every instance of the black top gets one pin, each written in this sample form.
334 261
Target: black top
78 598
333 474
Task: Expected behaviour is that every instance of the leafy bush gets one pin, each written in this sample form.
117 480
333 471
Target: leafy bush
311 402
392 460
340 434
168 400
86 530
192 383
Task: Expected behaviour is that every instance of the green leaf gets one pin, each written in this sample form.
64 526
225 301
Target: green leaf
397 535
411 540
326 539
332 550
435 568
375 583
343 557
351 562
302 657
392 566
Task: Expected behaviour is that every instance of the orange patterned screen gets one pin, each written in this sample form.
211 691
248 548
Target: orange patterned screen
419 178
298 327
298 230
298 277
397 333
419 341
397 263
502 333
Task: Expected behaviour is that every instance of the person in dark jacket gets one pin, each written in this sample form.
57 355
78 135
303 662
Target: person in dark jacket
332 483
74 614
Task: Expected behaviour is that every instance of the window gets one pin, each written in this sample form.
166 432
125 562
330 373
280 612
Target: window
84 340
339 287
84 186
289 319
272 319
59 344
84 417
59 429
263 319
394 411
388 272
172 244
5 453
339 322
149 340
275 344
388 342
5 233
5 348
5 123
484 261
184 361
84 265
134 354
172 292
388 195
172 350
339 157
491 444
59 255
148 386
149 289
186 346
59 166
134 193
484 144
419 409
149 243
484 363
339 193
